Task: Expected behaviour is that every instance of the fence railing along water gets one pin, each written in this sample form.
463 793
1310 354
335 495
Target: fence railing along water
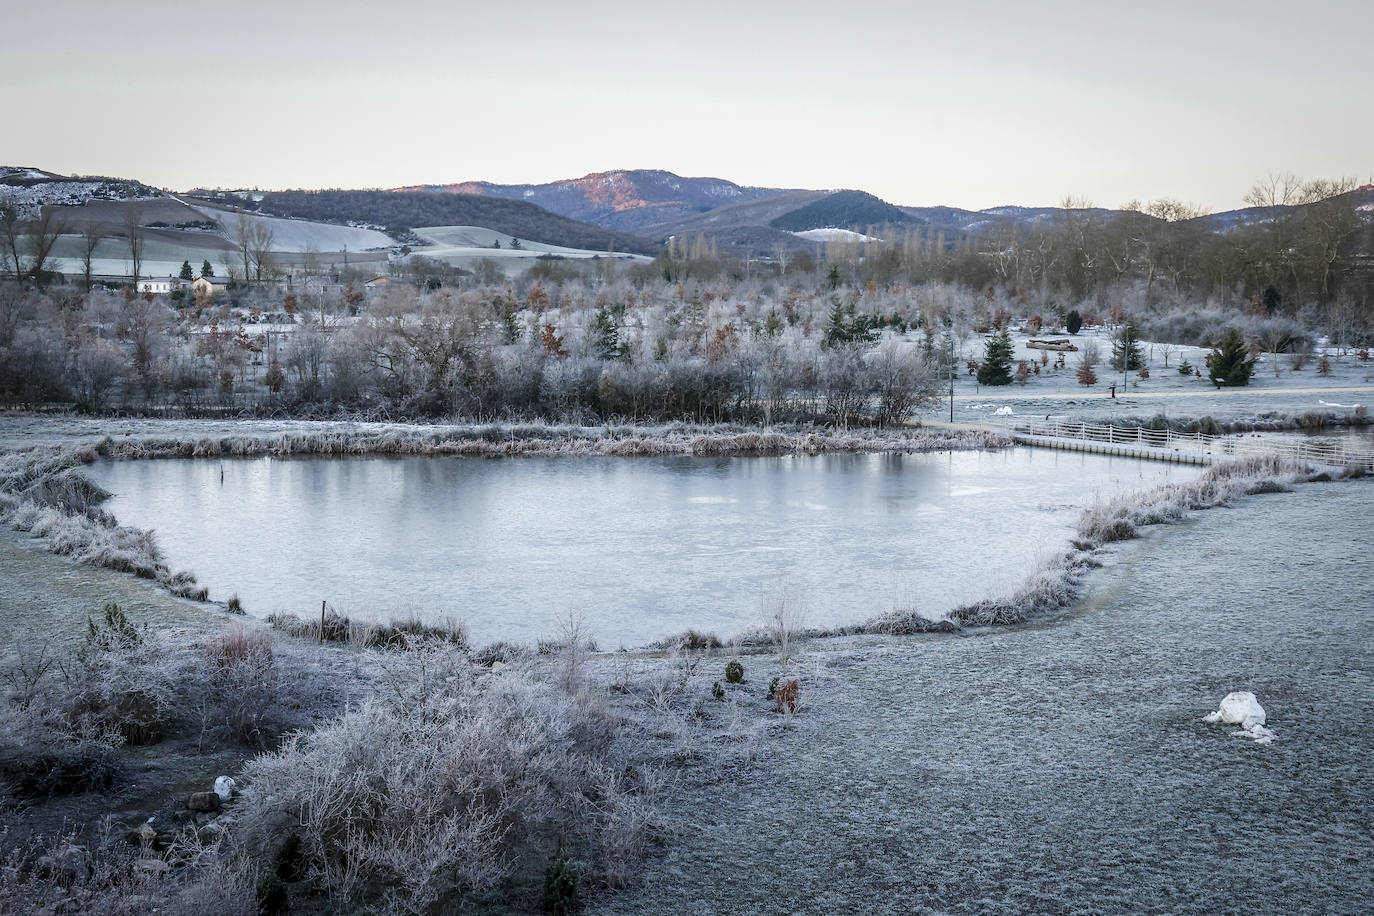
1318 451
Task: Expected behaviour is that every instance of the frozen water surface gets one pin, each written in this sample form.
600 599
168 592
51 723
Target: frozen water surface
640 547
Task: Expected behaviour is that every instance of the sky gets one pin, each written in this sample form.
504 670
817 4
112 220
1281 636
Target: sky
962 104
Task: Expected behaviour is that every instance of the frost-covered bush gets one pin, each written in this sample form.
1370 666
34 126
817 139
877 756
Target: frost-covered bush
444 783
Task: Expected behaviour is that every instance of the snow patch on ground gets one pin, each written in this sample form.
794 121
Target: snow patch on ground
1241 708
835 235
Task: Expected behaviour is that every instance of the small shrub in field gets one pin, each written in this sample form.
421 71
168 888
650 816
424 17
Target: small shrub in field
234 605
241 644
560 886
773 687
1144 372
1324 365
113 632
1086 375
786 695
717 691
734 672
1185 368
692 639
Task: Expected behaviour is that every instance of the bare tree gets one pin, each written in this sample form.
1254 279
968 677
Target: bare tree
133 231
254 239
43 233
261 237
10 233
92 233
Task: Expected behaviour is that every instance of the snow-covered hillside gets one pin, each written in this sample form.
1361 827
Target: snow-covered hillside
297 235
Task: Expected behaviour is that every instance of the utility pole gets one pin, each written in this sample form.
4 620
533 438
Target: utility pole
951 377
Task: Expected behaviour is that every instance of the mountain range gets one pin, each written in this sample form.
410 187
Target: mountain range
634 210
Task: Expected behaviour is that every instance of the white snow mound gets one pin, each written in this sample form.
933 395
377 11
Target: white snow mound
1241 708
1003 412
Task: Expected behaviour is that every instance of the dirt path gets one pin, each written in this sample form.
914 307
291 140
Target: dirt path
1065 767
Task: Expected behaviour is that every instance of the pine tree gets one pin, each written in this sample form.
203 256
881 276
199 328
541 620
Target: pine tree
1086 375
996 366
1231 362
1073 321
1185 368
186 270
606 335
1126 346
205 269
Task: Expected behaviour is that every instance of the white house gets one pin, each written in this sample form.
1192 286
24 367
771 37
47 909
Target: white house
158 286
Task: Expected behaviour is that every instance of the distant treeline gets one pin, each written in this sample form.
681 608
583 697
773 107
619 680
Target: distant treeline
401 211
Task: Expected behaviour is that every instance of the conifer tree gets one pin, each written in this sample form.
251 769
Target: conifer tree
1231 362
996 366
606 334
1126 346
1073 322
205 269
186 270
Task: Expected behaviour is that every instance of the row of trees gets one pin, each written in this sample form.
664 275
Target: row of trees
477 353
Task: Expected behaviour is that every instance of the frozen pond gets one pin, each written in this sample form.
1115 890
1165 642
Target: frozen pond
640 547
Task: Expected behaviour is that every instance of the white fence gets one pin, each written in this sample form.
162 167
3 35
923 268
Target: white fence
1318 451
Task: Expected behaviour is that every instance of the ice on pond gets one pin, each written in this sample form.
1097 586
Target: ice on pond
1241 708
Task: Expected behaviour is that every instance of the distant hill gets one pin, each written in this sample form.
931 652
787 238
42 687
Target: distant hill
628 200
400 212
29 189
840 211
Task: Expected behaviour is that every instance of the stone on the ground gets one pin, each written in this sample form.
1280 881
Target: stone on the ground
203 801
224 788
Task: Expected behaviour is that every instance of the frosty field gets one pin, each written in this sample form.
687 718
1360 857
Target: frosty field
1065 767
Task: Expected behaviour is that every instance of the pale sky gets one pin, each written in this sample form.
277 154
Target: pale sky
972 105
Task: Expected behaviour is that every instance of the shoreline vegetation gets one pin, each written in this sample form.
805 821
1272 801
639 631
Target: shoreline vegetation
344 789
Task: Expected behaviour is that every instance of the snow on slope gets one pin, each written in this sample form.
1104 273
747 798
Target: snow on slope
835 235
298 235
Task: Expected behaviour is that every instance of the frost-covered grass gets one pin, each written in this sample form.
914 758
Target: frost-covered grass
553 441
42 493
398 632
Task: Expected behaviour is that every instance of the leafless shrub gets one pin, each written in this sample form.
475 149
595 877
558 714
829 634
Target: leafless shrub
784 619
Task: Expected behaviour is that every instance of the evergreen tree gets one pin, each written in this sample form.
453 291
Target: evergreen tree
515 244
205 269
186 270
606 336
1185 368
1073 321
996 366
1126 347
1231 362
